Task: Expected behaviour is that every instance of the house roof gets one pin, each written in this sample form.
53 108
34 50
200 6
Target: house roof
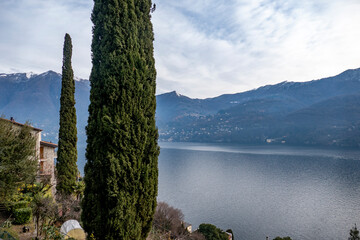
20 124
48 144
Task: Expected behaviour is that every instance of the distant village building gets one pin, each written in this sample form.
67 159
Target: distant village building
45 153
187 226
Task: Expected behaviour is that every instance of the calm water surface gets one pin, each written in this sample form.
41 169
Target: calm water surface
305 193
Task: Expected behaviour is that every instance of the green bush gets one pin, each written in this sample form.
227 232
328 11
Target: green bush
52 233
211 232
20 204
22 215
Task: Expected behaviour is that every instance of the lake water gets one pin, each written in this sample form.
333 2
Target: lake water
259 191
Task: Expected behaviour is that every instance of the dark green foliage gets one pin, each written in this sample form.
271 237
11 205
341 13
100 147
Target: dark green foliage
121 170
67 153
282 238
211 232
18 163
22 215
20 204
52 233
354 233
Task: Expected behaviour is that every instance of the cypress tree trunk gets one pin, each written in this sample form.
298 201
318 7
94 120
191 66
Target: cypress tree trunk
121 170
67 153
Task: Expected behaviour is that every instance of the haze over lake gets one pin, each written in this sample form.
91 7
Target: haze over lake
259 191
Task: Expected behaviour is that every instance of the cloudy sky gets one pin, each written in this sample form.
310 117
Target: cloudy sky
203 48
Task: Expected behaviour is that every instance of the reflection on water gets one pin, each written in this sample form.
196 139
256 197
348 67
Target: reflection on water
305 193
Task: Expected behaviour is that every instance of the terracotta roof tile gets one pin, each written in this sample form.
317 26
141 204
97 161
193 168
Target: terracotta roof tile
49 144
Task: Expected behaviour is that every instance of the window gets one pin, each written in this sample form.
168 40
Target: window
41 167
41 152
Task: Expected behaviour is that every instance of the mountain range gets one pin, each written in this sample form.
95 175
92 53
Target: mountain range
322 112
36 98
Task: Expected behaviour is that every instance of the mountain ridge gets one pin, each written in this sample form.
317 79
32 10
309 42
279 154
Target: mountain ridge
263 113
252 116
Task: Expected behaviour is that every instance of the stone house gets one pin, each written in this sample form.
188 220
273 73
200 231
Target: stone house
45 154
47 161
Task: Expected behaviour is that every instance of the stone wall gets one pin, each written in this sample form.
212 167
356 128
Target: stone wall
47 164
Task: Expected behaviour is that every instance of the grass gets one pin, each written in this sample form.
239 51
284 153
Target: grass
17 230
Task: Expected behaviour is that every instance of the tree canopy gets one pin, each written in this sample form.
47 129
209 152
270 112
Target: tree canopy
211 232
18 161
354 234
282 238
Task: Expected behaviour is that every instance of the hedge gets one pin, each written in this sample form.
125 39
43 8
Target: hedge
22 215
20 204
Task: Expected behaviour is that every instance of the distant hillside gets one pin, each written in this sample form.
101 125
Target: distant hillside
36 98
319 112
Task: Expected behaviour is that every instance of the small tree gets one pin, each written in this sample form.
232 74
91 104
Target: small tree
211 232
45 212
282 238
354 233
18 163
78 190
69 207
169 219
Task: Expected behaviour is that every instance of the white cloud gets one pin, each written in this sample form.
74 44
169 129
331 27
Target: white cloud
202 48
33 34
264 42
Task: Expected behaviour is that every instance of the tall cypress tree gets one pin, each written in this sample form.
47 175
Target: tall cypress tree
67 153
121 170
